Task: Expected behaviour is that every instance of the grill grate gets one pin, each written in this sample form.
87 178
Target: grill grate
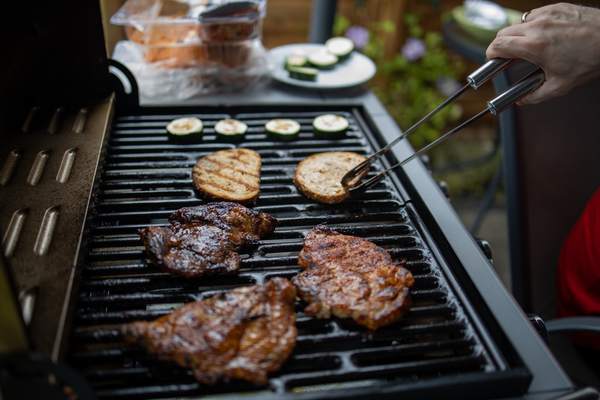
145 178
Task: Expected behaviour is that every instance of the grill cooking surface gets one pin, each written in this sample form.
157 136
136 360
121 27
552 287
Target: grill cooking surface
145 178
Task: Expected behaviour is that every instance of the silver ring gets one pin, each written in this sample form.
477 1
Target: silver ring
524 17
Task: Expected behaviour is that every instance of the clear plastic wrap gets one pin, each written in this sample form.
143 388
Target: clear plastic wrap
179 49
161 80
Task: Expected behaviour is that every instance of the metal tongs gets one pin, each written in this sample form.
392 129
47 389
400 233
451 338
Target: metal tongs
500 103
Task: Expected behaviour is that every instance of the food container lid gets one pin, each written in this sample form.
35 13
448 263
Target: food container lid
188 12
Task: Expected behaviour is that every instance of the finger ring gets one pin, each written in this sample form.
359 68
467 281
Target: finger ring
524 17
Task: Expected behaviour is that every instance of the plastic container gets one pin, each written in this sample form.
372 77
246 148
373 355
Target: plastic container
192 31
177 49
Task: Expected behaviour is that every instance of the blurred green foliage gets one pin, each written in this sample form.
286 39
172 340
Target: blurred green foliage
407 87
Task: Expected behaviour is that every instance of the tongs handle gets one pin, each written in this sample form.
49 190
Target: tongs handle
483 74
488 71
517 91
500 103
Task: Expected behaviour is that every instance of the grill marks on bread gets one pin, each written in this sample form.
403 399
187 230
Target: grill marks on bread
206 239
319 176
350 277
231 175
241 334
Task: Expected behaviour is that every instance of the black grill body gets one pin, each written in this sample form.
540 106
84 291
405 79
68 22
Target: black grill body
441 346
465 337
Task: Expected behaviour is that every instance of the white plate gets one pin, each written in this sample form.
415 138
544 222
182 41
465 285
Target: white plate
355 70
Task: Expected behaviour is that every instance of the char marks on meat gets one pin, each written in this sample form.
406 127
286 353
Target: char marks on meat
241 334
350 277
206 239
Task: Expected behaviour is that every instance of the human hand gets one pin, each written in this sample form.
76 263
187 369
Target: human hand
563 39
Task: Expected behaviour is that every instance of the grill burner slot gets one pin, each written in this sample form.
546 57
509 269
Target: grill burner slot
145 178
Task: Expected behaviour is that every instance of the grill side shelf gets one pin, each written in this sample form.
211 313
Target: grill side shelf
475 308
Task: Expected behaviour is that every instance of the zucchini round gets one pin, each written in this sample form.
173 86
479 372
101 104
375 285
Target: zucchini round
230 129
283 129
295 61
185 130
340 46
323 59
304 73
330 126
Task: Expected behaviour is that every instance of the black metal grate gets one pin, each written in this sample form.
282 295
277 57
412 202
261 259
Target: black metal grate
145 178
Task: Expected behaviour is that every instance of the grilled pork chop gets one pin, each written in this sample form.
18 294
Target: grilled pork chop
206 239
241 334
231 175
350 277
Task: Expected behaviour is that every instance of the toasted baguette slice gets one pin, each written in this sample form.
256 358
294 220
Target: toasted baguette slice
319 176
232 175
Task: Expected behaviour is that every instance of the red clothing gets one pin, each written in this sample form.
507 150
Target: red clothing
578 284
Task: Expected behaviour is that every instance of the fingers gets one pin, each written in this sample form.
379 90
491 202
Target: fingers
540 95
533 15
504 45
507 47
533 98
548 90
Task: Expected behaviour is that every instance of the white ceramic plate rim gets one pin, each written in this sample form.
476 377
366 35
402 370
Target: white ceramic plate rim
355 70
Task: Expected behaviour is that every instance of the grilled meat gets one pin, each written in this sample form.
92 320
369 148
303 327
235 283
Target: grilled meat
241 334
232 175
350 277
206 239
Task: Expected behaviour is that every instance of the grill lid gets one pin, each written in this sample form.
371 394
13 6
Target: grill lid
48 169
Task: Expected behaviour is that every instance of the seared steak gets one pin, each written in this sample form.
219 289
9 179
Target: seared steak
206 239
350 277
241 334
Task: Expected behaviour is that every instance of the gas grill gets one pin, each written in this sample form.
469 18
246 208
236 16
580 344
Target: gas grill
145 178
464 337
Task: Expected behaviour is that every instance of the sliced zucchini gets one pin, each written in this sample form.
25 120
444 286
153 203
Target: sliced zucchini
185 130
330 126
230 129
304 74
341 46
295 61
283 129
323 59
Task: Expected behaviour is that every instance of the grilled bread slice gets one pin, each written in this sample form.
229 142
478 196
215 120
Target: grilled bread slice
319 176
232 175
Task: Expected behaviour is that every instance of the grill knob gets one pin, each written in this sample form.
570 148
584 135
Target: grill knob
426 161
444 186
484 245
539 326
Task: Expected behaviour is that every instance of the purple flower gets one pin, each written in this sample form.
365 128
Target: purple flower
358 35
447 86
413 49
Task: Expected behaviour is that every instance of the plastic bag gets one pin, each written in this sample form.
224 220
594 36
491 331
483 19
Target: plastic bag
180 78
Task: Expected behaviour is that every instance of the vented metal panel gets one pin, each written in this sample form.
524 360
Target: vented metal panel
47 170
439 345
